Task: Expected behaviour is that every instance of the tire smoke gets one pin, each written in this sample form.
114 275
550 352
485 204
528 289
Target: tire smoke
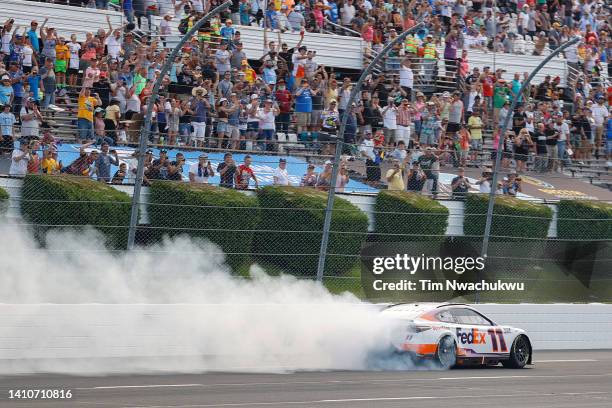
75 307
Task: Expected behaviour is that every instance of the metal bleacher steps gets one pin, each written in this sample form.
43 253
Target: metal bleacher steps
65 19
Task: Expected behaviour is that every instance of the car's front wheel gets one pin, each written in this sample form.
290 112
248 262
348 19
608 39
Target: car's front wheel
446 355
520 353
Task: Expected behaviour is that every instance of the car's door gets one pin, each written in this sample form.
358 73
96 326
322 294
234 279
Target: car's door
478 334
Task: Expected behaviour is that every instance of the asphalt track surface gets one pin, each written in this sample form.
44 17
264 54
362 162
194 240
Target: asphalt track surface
558 379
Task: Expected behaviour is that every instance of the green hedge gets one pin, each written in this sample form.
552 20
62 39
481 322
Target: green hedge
578 219
225 217
4 197
415 215
302 210
49 201
512 217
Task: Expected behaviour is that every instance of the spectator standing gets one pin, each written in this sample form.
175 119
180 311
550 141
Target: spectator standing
47 75
416 178
281 177
85 114
7 130
310 178
244 174
394 176
200 172
303 108
200 107
104 161
460 185
19 161
427 163
227 171
30 119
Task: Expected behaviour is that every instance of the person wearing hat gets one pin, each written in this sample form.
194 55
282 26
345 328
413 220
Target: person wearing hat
324 178
267 119
31 118
7 131
6 90
200 106
309 179
600 118
281 177
200 172
227 31
222 58
430 58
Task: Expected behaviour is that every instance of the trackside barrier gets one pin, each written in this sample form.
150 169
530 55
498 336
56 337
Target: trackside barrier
32 336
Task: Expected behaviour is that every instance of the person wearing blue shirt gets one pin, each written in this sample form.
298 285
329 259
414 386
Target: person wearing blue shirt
7 123
516 86
303 107
609 137
35 84
6 90
33 36
17 80
332 13
227 31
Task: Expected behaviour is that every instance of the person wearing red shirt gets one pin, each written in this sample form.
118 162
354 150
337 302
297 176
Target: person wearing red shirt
244 174
284 100
487 81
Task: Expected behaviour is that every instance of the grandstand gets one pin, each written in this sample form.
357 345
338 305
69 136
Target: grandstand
339 55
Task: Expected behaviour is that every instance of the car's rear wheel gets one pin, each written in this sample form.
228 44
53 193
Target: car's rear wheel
520 353
446 354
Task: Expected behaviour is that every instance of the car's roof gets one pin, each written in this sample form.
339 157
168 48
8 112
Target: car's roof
416 309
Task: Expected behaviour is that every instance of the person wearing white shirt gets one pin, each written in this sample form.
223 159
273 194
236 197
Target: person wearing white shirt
200 172
281 177
347 13
113 45
600 116
19 160
406 77
367 147
389 114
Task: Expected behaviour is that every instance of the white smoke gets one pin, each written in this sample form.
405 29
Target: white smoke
75 307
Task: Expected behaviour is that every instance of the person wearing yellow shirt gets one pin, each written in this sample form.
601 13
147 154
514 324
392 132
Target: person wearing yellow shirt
395 179
62 55
49 164
249 73
87 104
475 126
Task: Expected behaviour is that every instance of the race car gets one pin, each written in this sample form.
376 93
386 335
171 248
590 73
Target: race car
456 334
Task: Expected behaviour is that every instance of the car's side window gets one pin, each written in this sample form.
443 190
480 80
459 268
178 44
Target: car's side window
469 316
446 316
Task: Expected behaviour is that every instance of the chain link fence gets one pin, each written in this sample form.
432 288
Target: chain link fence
383 207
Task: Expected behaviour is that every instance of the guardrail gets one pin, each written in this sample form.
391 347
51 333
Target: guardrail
61 338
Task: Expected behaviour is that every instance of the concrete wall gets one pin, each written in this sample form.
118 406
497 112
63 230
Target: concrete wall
558 326
52 331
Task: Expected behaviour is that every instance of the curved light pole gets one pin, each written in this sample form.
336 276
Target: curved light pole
500 142
146 129
340 137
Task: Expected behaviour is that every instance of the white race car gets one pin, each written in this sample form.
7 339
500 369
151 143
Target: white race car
456 334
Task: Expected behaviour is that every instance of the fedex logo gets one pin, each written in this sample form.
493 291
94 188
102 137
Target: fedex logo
473 336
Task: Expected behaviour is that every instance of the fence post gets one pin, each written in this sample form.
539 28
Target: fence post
340 139
489 220
146 127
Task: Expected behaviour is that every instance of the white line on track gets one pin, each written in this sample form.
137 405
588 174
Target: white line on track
355 381
382 399
583 360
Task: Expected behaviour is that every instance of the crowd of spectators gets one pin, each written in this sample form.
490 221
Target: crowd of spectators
216 98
